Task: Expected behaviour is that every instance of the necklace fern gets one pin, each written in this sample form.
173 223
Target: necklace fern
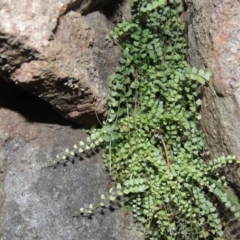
152 141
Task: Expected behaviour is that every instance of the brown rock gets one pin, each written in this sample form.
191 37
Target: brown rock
51 50
214 44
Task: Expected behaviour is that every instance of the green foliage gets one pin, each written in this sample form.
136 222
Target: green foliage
113 195
152 141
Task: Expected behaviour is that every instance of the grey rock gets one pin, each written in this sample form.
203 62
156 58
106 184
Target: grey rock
38 202
214 44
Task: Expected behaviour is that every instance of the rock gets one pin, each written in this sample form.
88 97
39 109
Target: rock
37 202
214 44
53 51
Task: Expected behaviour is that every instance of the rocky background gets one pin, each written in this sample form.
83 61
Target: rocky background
213 30
58 51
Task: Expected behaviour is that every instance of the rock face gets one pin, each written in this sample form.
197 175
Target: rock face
57 52
214 44
37 202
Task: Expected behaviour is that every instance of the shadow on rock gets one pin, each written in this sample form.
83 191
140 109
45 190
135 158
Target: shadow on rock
29 106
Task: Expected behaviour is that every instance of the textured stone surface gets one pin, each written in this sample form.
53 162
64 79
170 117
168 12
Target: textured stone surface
36 202
53 51
214 44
